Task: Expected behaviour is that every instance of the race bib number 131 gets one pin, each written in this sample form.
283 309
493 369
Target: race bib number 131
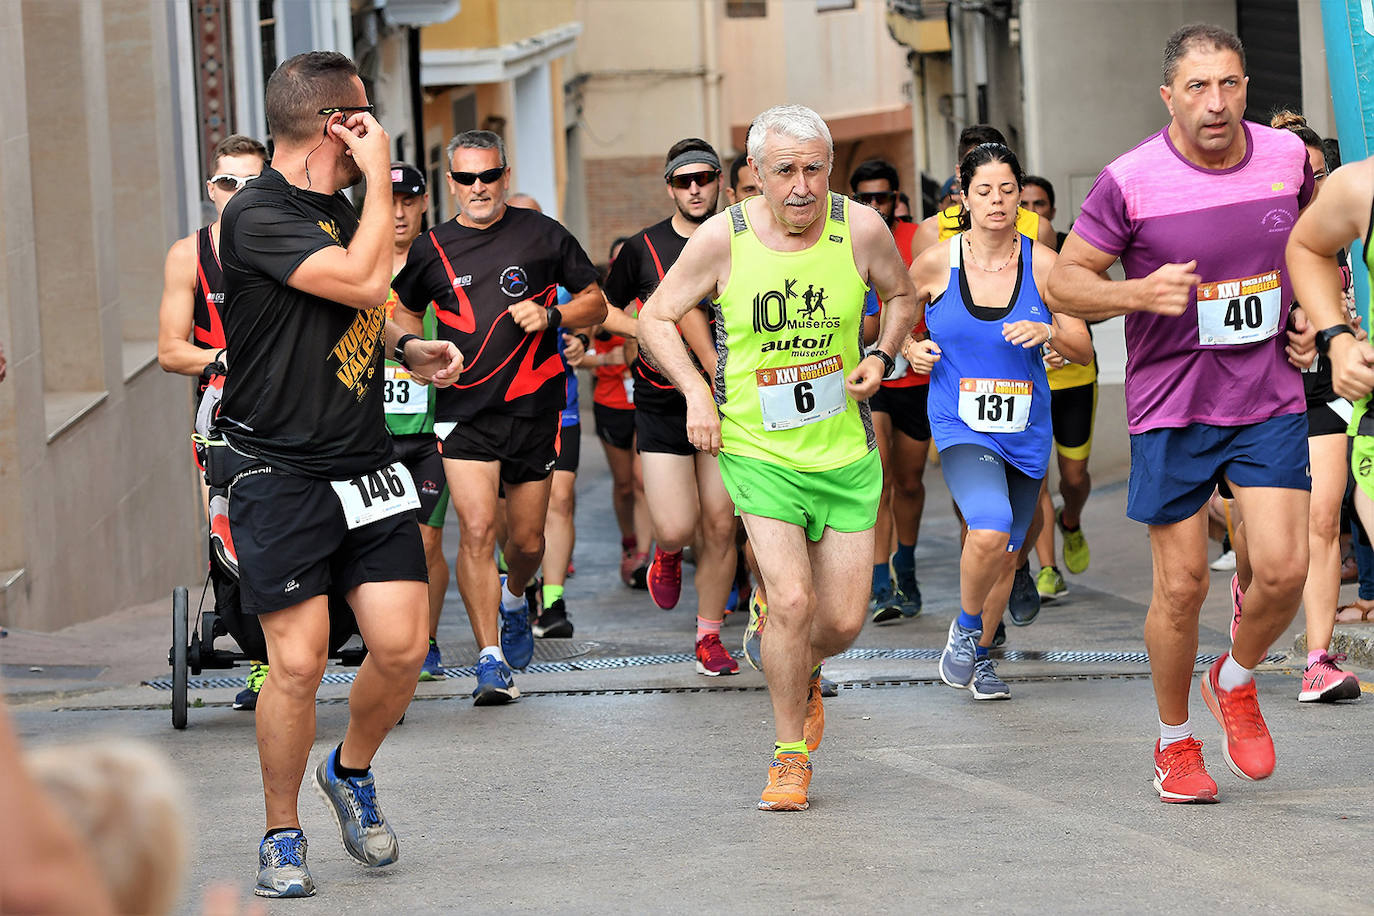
1240 311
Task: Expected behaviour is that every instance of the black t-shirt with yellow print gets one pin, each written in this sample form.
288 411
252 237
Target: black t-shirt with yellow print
303 390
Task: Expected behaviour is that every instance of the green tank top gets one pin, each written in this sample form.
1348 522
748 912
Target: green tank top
409 406
789 328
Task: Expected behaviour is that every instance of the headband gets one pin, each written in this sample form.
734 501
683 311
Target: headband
691 157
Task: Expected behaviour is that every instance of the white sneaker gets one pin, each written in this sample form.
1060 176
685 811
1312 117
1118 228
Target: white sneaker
1226 562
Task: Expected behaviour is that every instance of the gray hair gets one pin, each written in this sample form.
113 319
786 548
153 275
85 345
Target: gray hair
477 139
795 121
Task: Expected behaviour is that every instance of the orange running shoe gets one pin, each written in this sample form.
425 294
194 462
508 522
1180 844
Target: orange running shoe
1245 741
1181 776
789 776
814 729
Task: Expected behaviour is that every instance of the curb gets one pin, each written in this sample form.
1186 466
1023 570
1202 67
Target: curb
1355 641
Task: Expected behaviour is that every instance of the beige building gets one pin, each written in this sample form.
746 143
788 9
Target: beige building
650 73
500 65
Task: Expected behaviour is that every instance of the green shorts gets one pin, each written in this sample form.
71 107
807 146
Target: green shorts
1362 446
845 498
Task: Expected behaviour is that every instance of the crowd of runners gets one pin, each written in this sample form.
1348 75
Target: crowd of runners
769 382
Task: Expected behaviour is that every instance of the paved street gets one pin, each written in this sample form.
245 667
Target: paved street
626 782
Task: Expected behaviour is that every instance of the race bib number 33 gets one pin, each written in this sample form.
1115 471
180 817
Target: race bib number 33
380 494
792 396
1240 311
401 394
994 405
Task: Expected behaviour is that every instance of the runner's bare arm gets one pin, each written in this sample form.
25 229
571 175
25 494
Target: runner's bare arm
176 316
694 277
586 307
1070 339
876 257
1077 285
409 322
358 276
1330 222
619 322
1046 235
436 362
696 330
926 235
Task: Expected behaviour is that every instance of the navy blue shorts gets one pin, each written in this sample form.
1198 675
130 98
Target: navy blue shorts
1173 471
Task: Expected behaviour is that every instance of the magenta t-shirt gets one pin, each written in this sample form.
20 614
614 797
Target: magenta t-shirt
1222 361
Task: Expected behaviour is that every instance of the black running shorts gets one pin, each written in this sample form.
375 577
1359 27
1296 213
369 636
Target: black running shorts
906 407
569 448
294 544
615 426
420 454
526 447
662 433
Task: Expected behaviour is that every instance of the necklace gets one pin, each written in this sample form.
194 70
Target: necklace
991 270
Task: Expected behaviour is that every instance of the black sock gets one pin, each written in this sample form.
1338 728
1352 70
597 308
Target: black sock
343 772
1225 543
276 830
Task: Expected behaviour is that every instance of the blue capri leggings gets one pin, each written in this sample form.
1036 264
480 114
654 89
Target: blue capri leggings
991 494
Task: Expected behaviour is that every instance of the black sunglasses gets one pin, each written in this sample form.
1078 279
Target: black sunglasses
345 109
471 178
876 197
702 179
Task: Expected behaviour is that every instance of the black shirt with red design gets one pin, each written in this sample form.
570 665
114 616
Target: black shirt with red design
473 277
209 299
636 273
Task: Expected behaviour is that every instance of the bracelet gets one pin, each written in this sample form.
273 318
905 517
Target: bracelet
1050 339
399 354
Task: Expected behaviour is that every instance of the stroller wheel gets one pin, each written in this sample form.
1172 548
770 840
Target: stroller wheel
180 646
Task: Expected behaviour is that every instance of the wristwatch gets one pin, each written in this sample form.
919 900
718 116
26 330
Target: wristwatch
1325 336
399 354
889 364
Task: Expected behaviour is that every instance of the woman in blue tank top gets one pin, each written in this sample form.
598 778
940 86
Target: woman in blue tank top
989 401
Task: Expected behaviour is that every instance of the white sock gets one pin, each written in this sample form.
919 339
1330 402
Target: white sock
1232 675
1168 734
511 602
494 652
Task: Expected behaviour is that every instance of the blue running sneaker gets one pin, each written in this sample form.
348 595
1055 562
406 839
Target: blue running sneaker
1024 603
517 638
908 593
433 668
366 835
884 606
956 662
281 866
986 684
495 684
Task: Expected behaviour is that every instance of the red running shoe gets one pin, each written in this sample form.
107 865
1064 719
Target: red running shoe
1181 776
665 578
712 659
1323 681
1245 741
1237 598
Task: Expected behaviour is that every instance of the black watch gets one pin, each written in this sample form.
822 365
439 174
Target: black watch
1326 335
399 354
553 317
889 364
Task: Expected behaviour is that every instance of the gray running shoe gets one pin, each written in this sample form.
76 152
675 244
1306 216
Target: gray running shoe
986 684
281 866
956 662
884 606
366 835
1024 604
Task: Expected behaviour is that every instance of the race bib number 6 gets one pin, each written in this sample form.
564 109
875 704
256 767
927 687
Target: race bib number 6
792 396
994 405
380 494
1241 311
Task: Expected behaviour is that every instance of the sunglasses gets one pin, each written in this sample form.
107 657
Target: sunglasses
471 178
345 109
1318 176
876 197
230 182
700 179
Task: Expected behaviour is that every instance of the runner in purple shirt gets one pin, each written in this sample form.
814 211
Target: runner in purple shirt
1199 215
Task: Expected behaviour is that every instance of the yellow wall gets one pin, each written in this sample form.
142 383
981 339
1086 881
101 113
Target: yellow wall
489 23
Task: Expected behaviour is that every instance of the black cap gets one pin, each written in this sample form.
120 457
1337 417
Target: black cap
407 179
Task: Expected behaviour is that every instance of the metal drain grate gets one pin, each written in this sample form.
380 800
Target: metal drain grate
668 658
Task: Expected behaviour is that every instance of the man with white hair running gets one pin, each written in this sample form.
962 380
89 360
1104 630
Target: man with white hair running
787 272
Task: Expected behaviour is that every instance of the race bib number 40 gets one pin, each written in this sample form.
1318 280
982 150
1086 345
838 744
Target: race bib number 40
792 396
1240 311
994 405
378 495
401 394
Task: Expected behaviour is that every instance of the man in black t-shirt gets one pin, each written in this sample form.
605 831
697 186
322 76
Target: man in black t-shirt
317 506
684 485
493 274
